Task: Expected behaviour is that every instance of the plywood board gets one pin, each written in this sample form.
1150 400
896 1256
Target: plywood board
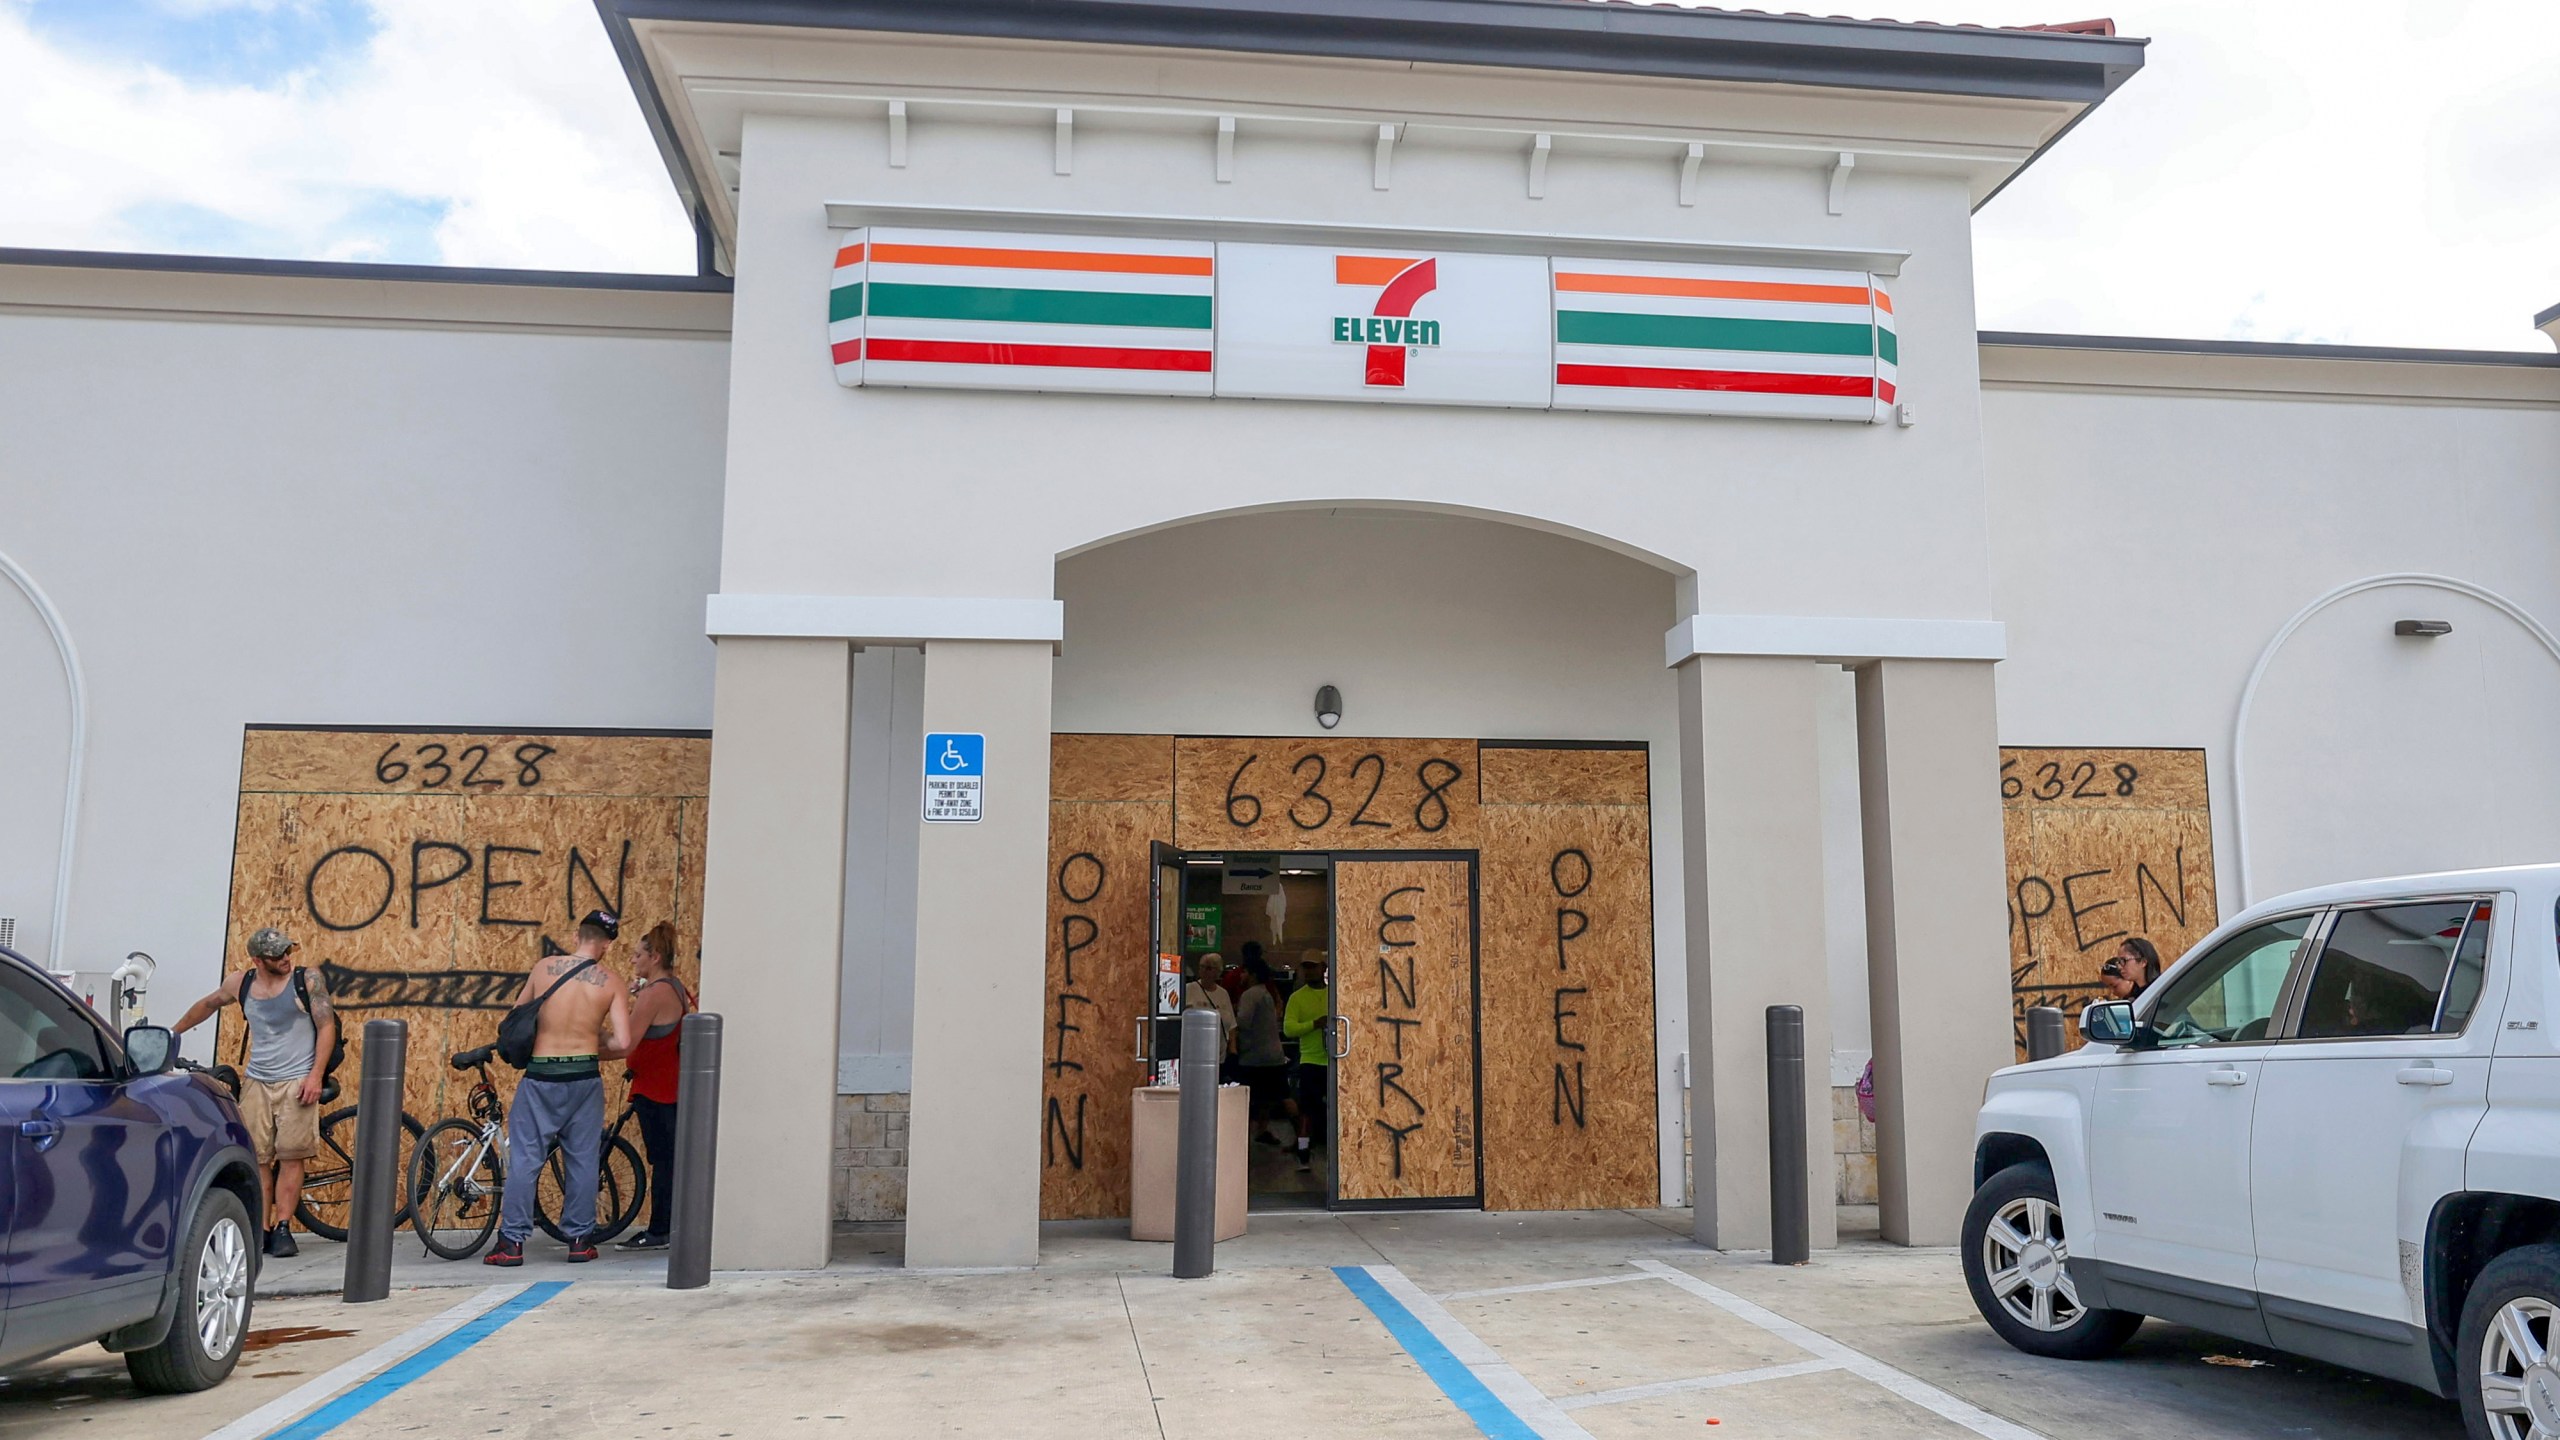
1279 794
1404 978
1569 1089
1136 768
1098 985
423 872
1577 775
2102 844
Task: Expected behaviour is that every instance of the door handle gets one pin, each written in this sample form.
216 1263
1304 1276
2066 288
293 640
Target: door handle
2225 1075
43 1132
1342 1032
2424 1075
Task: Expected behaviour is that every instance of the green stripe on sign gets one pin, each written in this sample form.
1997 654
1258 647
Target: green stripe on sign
844 302
1889 346
1041 307
1700 332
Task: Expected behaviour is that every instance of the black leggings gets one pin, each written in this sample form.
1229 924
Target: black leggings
658 1137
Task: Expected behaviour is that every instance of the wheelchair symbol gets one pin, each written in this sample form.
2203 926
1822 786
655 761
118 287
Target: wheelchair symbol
951 758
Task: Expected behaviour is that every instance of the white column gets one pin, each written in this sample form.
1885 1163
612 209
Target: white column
973 1128
1937 944
772 934
1751 827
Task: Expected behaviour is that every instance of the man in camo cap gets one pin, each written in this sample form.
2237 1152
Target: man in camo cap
291 1029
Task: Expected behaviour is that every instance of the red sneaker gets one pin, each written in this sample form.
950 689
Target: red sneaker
505 1252
582 1252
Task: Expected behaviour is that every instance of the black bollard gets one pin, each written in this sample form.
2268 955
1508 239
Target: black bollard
697 1145
371 1203
1195 1156
1790 1215
2044 1033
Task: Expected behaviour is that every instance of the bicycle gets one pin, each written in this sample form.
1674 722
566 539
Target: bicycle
328 1179
457 1176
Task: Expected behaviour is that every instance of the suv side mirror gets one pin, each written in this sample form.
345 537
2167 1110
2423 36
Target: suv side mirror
151 1048
2108 1022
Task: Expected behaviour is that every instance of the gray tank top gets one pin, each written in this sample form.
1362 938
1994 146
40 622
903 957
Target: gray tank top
282 1040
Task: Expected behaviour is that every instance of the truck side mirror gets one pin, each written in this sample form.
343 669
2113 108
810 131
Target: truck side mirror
2108 1022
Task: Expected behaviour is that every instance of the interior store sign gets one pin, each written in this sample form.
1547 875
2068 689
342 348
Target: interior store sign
1131 316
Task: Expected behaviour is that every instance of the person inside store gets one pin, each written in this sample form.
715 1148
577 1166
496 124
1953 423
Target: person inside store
2134 968
1205 993
1240 976
659 1003
1310 1005
1262 1059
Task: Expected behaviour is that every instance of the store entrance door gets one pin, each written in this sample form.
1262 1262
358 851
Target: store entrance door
1405 1081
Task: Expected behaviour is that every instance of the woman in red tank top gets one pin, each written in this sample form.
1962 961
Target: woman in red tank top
659 1003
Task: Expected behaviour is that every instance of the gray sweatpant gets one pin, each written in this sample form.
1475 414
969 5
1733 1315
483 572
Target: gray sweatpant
571 1112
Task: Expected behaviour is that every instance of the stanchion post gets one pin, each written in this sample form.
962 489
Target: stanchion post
2044 1032
371 1202
697 1149
1790 1215
1195 1156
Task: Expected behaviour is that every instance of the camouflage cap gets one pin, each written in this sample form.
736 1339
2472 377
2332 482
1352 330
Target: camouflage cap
270 943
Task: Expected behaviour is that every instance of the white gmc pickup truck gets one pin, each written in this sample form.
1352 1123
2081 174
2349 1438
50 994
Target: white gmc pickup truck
2332 1128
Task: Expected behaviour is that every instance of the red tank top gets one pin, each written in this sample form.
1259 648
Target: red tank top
653 1061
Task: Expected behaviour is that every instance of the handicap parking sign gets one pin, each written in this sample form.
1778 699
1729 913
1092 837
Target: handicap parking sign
955 776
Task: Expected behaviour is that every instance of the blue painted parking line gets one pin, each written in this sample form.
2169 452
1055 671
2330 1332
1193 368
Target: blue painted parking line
1455 1377
383 1386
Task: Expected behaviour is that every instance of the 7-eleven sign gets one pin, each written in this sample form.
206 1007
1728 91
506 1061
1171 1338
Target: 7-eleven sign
1389 330
1303 322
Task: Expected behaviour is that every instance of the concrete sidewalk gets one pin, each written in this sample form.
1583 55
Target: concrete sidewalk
1596 1325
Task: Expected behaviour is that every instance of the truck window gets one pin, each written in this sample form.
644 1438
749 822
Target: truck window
2230 994
2397 970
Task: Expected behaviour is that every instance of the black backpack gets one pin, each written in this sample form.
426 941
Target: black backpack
302 995
523 1024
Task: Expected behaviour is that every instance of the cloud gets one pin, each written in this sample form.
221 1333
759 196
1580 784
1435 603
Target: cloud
466 132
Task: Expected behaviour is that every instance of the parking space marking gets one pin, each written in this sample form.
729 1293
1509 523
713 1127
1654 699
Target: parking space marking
1500 1400
1866 1367
1660 1388
263 1420
1583 1284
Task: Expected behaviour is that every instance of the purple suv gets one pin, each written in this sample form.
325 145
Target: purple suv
125 1193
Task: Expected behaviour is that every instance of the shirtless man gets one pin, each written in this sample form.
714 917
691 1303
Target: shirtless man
587 1020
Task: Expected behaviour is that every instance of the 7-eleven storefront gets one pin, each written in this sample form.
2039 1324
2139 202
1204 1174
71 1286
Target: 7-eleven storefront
1537 397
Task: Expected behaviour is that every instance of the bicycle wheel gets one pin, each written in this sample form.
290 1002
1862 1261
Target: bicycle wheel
455 1190
619 1178
328 1179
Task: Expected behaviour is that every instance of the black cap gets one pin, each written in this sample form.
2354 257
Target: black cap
606 921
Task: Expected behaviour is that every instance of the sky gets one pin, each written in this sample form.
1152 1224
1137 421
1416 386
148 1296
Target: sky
2361 172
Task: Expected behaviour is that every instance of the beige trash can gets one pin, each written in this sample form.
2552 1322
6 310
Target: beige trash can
1155 1131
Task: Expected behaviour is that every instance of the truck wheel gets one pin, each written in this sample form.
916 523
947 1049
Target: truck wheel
2014 1251
215 1272
2509 1373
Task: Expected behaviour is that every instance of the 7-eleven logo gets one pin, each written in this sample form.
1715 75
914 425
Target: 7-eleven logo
1389 329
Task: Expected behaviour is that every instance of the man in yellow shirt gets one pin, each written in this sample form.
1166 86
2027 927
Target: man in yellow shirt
1304 1021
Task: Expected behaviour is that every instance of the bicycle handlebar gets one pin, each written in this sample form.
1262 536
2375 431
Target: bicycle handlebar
473 1059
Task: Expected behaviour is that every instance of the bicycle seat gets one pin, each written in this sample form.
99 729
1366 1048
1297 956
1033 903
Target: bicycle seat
472 1059
329 1090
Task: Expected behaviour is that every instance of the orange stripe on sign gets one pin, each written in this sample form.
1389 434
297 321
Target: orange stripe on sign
1884 302
1711 289
1368 269
1095 261
849 255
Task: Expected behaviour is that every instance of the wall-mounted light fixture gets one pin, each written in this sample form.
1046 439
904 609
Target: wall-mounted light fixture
1328 706
2423 629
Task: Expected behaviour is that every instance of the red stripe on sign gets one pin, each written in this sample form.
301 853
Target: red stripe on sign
1884 391
848 351
1647 377
1072 357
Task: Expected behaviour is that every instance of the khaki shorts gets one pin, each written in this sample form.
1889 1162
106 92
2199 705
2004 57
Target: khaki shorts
280 1125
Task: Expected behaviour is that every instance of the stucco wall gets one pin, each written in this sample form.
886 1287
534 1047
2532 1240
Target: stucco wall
458 518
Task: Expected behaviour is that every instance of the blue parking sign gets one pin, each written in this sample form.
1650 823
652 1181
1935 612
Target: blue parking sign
955 776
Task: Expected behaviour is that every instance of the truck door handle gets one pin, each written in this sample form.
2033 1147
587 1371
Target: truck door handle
43 1132
2225 1075
2424 1075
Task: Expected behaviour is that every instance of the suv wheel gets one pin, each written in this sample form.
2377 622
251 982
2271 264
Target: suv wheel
2510 1376
2014 1253
215 1272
